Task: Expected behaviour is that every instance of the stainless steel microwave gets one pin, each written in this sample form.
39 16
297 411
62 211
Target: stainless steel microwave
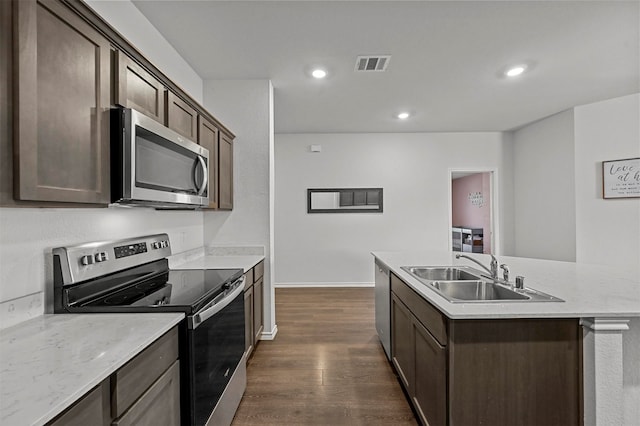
153 165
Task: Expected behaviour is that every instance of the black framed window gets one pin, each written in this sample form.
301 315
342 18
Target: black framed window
344 200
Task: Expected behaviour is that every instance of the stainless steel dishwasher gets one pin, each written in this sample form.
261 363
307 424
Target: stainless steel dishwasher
383 306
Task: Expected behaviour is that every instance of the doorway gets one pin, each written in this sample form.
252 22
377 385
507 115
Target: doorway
472 211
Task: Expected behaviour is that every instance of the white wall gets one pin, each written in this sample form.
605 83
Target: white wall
413 170
544 201
607 231
125 17
246 108
27 236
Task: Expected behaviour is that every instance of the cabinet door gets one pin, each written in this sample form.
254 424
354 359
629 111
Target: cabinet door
62 84
159 405
136 88
402 344
225 182
6 108
430 388
248 321
181 117
208 138
258 300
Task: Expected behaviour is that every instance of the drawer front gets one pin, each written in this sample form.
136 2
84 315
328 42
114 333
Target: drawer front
258 271
92 409
160 405
430 317
132 380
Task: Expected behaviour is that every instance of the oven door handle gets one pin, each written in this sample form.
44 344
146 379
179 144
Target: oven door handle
210 311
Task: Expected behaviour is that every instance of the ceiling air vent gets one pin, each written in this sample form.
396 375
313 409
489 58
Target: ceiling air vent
372 63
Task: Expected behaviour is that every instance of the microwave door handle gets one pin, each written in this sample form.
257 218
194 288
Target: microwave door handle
205 175
207 313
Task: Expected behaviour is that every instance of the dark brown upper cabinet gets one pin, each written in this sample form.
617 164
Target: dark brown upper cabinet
181 117
225 174
135 88
62 67
208 138
62 82
6 107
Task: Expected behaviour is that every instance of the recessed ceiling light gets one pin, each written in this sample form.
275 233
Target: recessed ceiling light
403 115
319 73
515 71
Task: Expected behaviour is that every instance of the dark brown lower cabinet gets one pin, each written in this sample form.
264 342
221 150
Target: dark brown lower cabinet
253 307
430 388
402 344
248 321
515 372
258 301
520 371
421 364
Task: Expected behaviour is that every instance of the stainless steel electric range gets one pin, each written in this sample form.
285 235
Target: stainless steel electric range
133 275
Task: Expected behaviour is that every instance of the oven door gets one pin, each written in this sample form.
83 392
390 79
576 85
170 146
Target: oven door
157 165
217 370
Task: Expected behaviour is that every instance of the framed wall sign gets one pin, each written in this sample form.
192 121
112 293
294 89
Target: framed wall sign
621 178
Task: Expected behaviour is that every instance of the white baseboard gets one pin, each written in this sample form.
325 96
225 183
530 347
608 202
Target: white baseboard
269 335
312 284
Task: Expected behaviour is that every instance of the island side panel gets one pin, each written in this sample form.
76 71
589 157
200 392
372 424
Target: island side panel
515 372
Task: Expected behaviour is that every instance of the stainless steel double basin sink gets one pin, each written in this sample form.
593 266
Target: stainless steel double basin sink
461 284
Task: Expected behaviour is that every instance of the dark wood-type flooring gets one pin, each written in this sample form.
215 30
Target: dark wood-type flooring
325 366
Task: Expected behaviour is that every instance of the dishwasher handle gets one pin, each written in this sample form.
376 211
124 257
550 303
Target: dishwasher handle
216 305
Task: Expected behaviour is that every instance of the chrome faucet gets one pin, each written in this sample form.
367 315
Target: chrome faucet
494 264
505 272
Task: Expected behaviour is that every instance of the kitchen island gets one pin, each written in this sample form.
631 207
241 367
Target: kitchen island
600 299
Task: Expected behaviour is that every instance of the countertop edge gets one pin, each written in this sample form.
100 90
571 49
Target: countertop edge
244 262
446 307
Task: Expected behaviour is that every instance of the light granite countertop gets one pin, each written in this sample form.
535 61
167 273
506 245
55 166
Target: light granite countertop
245 262
49 362
588 291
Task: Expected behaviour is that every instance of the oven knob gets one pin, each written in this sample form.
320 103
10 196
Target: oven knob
87 260
164 244
102 256
155 245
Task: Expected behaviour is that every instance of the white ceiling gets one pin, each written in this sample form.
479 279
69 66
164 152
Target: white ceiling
445 65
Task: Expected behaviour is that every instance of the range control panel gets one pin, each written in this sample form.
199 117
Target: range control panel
91 260
130 250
